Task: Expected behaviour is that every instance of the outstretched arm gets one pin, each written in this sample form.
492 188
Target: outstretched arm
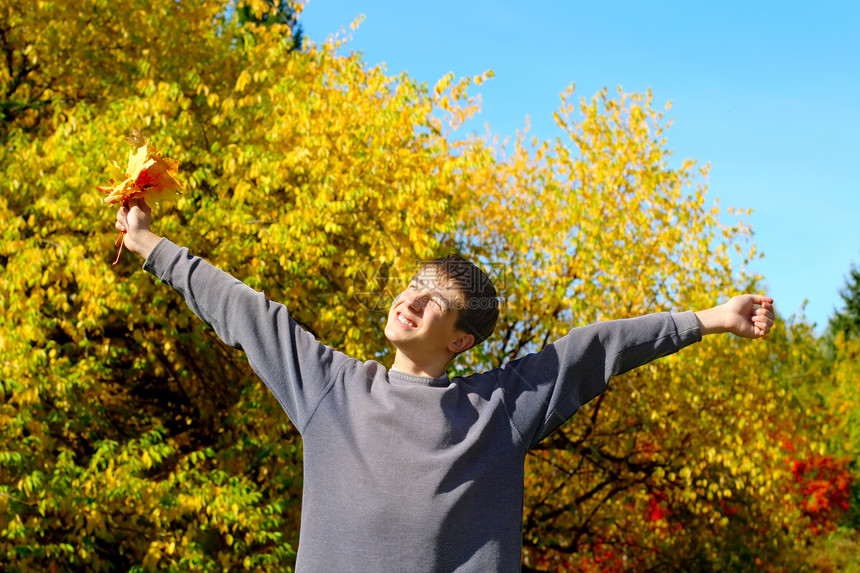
133 220
746 315
549 386
292 363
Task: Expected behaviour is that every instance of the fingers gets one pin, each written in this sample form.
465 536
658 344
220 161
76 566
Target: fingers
764 310
762 300
762 325
763 317
122 219
755 313
127 210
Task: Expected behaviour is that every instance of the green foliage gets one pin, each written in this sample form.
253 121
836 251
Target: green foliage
836 553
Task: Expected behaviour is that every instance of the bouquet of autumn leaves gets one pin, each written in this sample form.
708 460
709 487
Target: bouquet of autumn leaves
148 176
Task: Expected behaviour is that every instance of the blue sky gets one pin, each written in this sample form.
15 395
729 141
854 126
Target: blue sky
768 93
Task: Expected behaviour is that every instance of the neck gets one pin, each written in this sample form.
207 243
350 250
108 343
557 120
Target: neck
428 367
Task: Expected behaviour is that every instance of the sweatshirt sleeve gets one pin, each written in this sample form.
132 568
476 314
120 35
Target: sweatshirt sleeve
295 367
546 388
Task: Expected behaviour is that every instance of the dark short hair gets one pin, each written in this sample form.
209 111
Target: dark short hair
478 312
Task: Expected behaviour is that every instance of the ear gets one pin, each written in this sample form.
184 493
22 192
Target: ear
463 343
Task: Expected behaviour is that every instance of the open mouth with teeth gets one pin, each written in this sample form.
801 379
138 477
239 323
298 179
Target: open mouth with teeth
405 321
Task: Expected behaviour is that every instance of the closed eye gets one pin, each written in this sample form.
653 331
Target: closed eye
437 299
441 303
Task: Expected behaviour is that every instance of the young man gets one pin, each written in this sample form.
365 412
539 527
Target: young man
406 469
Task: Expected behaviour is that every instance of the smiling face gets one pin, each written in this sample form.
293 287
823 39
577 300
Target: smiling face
422 325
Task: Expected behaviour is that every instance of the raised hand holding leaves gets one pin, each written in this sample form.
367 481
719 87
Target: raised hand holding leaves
148 175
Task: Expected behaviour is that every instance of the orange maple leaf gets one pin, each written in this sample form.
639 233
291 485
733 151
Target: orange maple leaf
147 176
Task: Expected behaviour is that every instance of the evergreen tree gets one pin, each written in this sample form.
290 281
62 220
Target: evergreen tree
847 320
270 12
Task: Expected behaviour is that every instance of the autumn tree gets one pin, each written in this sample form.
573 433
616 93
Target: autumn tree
132 439
681 464
831 479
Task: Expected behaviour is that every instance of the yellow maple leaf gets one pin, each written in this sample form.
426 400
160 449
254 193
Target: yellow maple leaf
148 175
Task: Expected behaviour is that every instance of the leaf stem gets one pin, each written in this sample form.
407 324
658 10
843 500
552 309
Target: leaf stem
120 241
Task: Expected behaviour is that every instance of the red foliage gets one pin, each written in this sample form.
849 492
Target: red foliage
729 509
657 510
603 558
824 483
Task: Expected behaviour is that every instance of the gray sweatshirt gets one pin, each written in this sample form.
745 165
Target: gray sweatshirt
410 473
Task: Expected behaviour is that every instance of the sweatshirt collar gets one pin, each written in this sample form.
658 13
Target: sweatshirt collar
400 376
